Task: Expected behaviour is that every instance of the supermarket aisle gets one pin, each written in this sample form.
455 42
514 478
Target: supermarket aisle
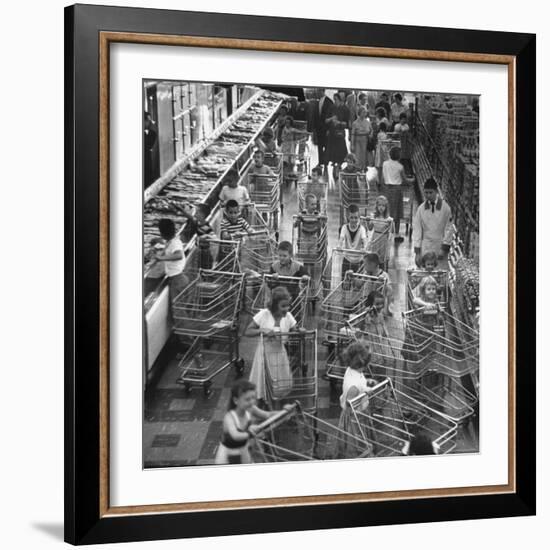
183 429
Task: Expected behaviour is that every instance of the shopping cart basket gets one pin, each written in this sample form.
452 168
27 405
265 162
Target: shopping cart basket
294 434
264 192
354 189
319 189
332 274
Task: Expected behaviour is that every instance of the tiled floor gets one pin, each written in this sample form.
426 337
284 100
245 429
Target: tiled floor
184 429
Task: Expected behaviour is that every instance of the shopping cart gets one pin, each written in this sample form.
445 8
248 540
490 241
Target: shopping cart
347 300
453 345
257 253
380 237
415 276
290 369
391 355
257 220
264 192
205 313
332 274
378 417
296 154
210 252
354 189
309 238
295 434
319 189
391 418
297 287
275 162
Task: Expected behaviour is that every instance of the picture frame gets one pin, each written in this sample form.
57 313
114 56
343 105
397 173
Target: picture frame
89 517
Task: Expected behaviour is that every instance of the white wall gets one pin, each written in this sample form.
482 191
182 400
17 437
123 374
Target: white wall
31 403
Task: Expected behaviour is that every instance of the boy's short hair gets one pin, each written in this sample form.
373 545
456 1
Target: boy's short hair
398 96
289 118
362 95
353 209
381 112
403 116
372 257
204 208
167 228
430 183
232 175
395 153
285 246
382 127
317 170
259 152
351 157
231 203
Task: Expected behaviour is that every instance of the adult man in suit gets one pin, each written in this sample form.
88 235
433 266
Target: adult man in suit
323 112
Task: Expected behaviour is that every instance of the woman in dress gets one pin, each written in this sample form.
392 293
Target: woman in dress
271 324
361 130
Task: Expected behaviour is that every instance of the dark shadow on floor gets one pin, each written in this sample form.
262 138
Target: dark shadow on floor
54 530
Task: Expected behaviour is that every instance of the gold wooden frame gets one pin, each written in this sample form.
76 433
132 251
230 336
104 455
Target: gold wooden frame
105 39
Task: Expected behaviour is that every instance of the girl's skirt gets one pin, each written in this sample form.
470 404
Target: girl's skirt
394 194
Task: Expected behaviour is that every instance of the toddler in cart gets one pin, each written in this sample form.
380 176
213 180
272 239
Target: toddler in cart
426 300
381 281
309 226
238 427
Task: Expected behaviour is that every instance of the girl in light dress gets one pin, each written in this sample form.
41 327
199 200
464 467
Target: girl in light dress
238 427
427 300
271 324
381 225
357 357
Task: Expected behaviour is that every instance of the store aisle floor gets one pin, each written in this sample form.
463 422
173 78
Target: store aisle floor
185 429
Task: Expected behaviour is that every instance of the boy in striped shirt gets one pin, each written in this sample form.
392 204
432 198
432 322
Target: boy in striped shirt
233 224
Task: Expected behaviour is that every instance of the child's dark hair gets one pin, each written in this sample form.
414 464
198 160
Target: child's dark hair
204 209
259 152
285 246
231 203
289 119
361 96
428 257
382 127
317 170
398 96
353 209
381 112
372 257
167 228
395 152
430 183
372 297
278 295
357 354
238 388
403 116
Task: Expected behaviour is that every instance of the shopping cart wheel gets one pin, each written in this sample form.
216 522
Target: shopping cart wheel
206 389
239 366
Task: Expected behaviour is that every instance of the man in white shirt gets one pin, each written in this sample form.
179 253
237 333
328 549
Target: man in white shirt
432 224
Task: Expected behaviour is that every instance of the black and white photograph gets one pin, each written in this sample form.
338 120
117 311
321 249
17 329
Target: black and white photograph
311 273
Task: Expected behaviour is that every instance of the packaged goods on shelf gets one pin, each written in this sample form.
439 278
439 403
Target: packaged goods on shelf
200 180
466 290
